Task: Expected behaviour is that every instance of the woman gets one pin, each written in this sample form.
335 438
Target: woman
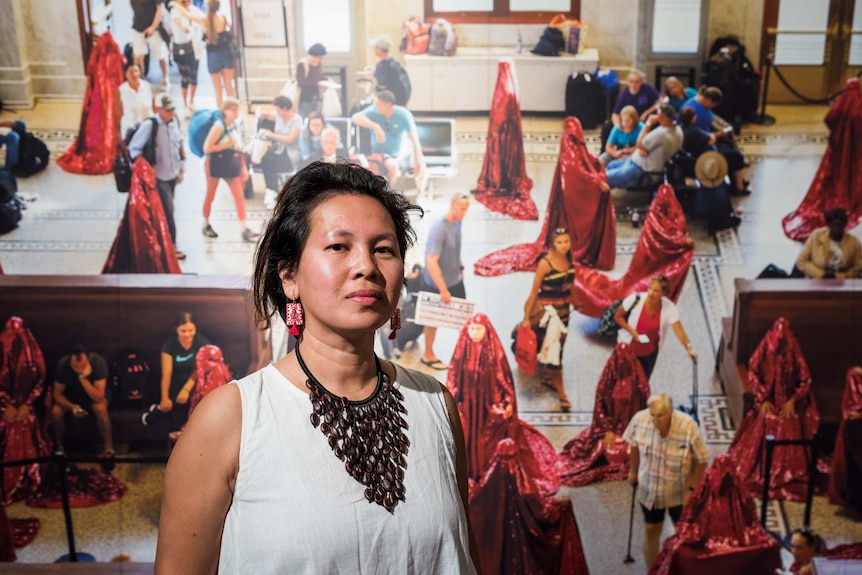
220 56
805 544
676 94
624 138
309 138
135 100
226 161
178 372
644 318
846 470
830 252
552 288
309 74
252 485
187 49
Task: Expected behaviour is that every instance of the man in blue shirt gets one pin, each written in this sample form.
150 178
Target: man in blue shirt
167 157
389 124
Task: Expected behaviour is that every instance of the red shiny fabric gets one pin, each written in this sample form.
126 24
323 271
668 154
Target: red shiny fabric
622 391
15 533
518 530
212 373
143 243
481 382
664 248
22 379
87 488
777 372
847 551
95 148
503 185
847 457
577 203
719 529
838 181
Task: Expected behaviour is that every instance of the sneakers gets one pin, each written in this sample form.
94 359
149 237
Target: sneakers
249 236
149 412
180 255
209 232
270 198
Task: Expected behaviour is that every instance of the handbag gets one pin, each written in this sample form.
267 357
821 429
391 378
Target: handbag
525 347
608 326
226 164
291 88
123 170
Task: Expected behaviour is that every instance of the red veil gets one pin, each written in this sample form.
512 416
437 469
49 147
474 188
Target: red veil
577 203
622 391
777 372
95 147
838 182
847 457
518 530
143 244
481 382
503 185
719 527
212 373
664 248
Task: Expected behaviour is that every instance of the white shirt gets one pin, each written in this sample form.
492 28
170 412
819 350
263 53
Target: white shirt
669 316
137 105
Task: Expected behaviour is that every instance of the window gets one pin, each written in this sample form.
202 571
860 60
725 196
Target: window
328 22
676 26
501 11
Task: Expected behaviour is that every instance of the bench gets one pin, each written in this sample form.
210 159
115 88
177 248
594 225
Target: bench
113 312
824 315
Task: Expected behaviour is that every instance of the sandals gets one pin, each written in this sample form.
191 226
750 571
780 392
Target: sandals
565 405
434 364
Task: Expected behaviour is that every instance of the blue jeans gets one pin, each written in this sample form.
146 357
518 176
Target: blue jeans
12 140
623 173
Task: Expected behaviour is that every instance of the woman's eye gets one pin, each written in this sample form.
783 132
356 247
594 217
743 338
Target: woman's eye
337 247
385 250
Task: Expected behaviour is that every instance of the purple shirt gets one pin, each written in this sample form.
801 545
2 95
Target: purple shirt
642 101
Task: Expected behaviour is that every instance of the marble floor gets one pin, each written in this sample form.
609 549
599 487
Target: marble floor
70 222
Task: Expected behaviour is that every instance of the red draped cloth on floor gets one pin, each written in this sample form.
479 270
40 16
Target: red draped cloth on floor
838 182
22 380
15 533
481 382
577 203
664 248
622 391
87 488
719 531
143 243
777 373
518 529
95 147
503 184
847 457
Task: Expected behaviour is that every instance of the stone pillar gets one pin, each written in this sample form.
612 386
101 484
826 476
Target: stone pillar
15 82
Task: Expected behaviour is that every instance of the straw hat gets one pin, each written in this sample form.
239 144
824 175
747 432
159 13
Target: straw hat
710 169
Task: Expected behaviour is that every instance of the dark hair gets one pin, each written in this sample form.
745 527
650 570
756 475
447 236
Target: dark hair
386 96
835 215
283 242
78 350
712 93
667 111
317 50
812 539
665 283
129 65
282 102
312 115
687 116
184 318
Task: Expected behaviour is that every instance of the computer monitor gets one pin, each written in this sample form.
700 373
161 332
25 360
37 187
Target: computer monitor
437 137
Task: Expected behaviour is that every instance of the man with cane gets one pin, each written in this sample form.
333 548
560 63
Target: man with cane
668 460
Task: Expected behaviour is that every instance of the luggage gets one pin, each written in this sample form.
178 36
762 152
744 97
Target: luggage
130 381
10 214
585 100
199 126
32 153
729 69
444 42
414 36
608 325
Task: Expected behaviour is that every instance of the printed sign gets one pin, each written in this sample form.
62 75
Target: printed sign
263 23
432 312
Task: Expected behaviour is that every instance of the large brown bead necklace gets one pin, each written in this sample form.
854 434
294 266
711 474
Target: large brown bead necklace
368 435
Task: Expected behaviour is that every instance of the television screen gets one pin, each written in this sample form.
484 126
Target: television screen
436 137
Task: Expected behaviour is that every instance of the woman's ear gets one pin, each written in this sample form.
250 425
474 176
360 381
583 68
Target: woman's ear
288 283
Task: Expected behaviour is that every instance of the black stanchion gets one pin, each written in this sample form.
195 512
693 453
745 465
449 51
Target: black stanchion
764 119
769 446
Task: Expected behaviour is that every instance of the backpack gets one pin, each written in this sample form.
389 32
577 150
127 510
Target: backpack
149 151
130 382
199 126
400 81
443 39
414 36
10 214
608 326
32 154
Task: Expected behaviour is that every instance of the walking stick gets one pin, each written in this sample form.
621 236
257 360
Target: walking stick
629 558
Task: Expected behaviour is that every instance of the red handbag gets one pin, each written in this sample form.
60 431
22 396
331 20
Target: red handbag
526 349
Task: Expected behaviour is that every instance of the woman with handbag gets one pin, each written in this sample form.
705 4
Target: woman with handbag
226 161
220 52
552 286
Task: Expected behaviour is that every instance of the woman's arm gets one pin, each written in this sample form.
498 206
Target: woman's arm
284 138
199 482
683 338
620 318
215 141
165 403
542 270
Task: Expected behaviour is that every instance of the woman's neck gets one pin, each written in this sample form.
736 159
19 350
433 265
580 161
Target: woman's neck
344 368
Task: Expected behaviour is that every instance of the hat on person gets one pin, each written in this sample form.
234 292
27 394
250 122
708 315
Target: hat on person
317 50
383 42
165 102
710 169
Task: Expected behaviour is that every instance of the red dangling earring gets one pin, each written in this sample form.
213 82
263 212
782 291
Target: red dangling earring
293 317
394 323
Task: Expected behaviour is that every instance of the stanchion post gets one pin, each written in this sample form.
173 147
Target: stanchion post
769 446
763 118
67 508
812 479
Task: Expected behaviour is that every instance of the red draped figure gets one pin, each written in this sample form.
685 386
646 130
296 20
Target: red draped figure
784 407
211 373
481 382
847 457
95 147
503 184
577 204
143 243
599 453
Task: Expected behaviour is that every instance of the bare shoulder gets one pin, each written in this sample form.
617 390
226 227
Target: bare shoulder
214 428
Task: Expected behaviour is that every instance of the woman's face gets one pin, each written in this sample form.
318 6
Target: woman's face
674 89
133 74
628 123
562 244
655 290
476 332
350 273
314 60
230 114
802 552
316 126
186 332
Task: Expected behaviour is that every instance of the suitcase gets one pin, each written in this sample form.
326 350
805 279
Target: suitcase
585 100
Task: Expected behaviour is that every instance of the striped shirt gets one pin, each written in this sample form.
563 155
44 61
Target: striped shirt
665 462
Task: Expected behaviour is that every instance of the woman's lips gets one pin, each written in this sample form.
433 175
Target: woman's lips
364 297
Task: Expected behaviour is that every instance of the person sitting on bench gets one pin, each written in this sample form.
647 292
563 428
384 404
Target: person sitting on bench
830 252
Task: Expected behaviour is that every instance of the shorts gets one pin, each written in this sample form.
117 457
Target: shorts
184 56
155 44
455 290
406 163
657 515
219 57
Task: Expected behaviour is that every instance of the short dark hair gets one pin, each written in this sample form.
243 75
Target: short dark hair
667 111
183 318
282 102
812 539
386 96
712 93
687 116
835 215
665 283
284 239
317 50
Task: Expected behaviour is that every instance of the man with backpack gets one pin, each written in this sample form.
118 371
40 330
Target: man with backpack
389 75
159 140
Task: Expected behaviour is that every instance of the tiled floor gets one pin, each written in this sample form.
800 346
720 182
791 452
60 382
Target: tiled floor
71 220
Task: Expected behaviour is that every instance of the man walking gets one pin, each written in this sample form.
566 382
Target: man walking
668 460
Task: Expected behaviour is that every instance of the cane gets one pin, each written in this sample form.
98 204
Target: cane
629 558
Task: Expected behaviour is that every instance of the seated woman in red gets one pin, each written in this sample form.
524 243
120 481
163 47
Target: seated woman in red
481 382
779 377
847 457
599 453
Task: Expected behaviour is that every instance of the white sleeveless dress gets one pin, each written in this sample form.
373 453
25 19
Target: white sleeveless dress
296 510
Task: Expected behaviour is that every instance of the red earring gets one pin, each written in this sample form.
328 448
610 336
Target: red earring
394 323
293 317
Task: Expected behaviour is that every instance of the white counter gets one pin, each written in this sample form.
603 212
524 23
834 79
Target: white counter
465 82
